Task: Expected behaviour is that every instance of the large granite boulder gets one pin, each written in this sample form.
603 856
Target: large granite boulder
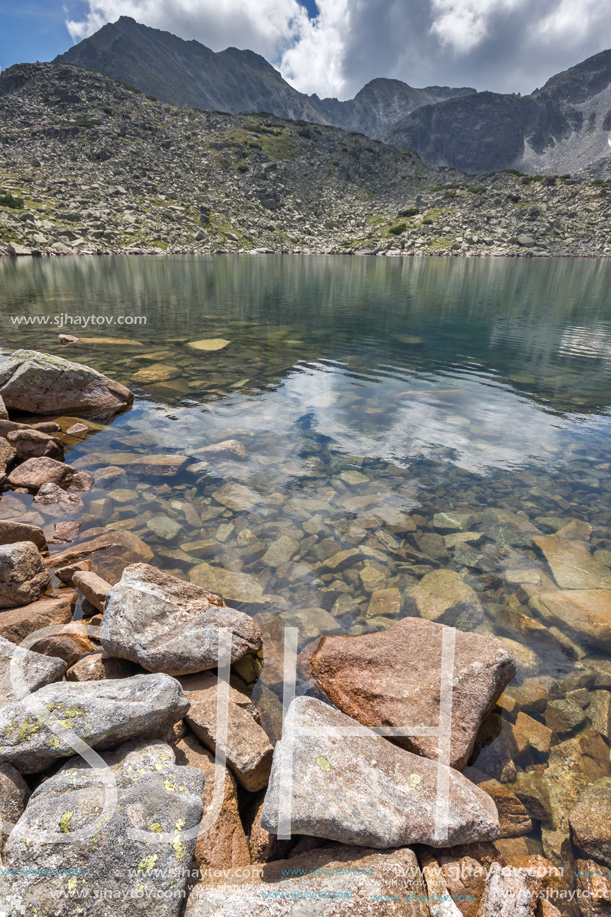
394 678
23 575
42 384
361 789
168 625
103 713
132 857
22 672
322 883
14 794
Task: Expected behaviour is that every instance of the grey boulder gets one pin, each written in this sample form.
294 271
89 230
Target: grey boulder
43 384
36 731
360 789
127 858
168 625
23 575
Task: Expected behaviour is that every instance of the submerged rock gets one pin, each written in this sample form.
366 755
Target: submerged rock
365 791
585 613
168 625
507 528
572 564
42 384
443 596
510 892
393 678
136 858
235 587
104 713
328 882
23 575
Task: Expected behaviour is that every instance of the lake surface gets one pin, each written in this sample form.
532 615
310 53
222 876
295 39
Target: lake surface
369 395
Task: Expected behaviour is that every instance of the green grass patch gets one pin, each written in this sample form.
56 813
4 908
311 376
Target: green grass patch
9 200
397 229
409 212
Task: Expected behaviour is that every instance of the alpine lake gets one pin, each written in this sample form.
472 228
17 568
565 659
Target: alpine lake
388 418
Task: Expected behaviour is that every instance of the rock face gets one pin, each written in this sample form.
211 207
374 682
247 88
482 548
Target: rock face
247 750
224 844
22 672
585 613
393 678
369 883
23 575
510 892
112 871
19 623
42 384
591 821
444 597
10 532
365 791
168 625
14 794
104 713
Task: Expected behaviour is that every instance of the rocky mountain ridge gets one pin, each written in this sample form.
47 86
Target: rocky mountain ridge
563 127
190 75
88 165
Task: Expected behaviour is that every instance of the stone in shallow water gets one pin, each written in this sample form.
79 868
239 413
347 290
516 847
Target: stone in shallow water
164 527
157 372
22 671
236 497
104 713
365 791
444 597
43 384
112 872
508 529
236 587
572 564
208 344
585 613
385 602
38 471
320 883
168 625
280 552
229 448
393 678
453 522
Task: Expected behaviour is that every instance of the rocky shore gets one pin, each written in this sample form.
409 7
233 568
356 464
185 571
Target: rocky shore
88 166
131 681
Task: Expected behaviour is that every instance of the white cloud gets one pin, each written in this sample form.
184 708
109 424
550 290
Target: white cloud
503 45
